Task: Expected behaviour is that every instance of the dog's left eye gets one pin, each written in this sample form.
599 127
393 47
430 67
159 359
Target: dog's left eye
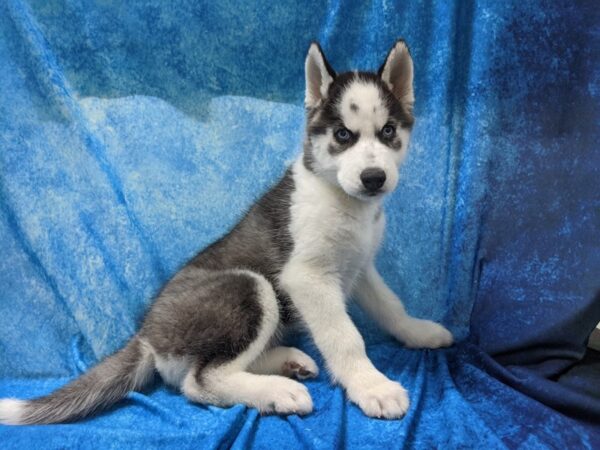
388 131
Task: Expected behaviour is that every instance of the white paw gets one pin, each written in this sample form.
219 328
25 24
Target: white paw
384 398
418 333
299 365
286 397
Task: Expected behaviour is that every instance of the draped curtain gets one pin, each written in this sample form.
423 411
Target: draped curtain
133 134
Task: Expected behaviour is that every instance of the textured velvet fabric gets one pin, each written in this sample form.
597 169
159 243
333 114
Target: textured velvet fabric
132 134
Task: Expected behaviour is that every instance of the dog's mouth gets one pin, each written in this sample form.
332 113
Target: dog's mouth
366 195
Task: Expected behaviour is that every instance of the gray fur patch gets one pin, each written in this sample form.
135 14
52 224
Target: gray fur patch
209 317
395 144
308 158
261 242
334 149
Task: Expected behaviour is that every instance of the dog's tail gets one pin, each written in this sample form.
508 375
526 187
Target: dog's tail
107 383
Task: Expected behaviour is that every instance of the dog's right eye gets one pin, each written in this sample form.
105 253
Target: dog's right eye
343 135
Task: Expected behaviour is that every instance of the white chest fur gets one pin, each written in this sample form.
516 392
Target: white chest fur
334 233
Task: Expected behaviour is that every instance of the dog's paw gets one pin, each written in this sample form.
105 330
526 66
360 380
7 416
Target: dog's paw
299 365
383 398
286 397
418 333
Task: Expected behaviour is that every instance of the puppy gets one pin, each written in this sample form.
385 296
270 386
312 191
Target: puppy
296 256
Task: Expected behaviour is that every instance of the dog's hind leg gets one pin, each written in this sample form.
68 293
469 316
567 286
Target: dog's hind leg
286 361
267 393
212 380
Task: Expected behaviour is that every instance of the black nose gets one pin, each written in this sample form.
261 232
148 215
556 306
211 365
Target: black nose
372 179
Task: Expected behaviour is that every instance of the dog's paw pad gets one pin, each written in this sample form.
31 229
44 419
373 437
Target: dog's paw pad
300 366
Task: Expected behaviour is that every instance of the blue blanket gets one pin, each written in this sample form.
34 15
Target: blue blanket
132 134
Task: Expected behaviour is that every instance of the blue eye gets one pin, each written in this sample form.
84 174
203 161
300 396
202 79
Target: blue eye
388 131
343 135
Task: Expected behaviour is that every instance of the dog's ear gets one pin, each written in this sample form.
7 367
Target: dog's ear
319 75
397 73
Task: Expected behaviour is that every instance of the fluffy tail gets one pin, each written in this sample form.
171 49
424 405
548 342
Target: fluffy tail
107 383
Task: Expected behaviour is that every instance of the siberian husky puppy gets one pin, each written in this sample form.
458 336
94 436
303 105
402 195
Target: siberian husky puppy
296 256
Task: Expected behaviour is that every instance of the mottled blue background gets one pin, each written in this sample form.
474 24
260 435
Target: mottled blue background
132 134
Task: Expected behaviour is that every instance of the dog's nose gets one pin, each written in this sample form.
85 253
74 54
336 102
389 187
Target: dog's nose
372 179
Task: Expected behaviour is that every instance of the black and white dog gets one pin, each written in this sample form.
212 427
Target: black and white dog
296 256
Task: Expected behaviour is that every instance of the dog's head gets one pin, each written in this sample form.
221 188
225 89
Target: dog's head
358 123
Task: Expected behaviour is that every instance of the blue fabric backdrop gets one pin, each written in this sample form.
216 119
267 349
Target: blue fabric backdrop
132 134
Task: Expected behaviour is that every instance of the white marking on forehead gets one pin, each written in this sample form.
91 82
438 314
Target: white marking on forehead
362 109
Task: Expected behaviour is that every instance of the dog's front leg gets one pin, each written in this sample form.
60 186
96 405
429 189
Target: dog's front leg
380 302
320 301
